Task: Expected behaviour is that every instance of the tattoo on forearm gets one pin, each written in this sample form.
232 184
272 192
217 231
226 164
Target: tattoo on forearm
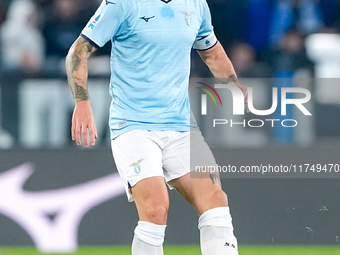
77 69
81 94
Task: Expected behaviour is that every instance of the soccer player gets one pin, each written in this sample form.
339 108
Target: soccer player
150 120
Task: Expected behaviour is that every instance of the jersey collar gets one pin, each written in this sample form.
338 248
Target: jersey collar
166 1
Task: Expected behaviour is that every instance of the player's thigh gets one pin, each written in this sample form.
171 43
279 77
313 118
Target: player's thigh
151 199
202 189
137 157
139 162
186 152
202 193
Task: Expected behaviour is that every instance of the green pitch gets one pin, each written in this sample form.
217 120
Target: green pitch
192 250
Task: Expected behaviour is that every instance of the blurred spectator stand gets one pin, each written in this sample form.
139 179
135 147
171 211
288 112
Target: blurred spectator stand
22 54
63 25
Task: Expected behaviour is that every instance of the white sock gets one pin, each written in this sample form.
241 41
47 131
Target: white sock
148 239
217 232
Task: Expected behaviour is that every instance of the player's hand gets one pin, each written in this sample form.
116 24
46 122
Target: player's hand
82 120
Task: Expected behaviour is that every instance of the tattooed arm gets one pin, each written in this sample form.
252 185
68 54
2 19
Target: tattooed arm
77 73
221 67
76 68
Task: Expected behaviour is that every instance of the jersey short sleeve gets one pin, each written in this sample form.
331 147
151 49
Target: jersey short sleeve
206 38
105 23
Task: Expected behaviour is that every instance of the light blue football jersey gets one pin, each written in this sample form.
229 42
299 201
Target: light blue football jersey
150 59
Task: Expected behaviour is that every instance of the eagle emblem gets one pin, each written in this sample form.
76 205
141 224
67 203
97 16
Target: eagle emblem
187 16
137 166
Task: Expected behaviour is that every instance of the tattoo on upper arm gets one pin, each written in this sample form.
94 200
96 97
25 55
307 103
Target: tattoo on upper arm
77 69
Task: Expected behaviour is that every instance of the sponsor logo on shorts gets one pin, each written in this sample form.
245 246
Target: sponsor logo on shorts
137 166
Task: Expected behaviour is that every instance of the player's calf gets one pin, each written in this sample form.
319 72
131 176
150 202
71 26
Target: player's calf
152 201
215 224
150 231
148 239
217 232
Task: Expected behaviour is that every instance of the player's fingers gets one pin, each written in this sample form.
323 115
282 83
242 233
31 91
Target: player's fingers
84 135
95 132
92 133
246 102
77 133
246 96
73 130
246 99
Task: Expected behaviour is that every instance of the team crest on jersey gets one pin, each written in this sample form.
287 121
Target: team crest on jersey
137 166
187 17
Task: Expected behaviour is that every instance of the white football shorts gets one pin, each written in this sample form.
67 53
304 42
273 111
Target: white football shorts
141 154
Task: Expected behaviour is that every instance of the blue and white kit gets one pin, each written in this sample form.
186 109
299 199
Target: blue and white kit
150 59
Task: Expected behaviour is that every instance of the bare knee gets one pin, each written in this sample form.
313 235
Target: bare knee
216 198
152 200
220 196
155 213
